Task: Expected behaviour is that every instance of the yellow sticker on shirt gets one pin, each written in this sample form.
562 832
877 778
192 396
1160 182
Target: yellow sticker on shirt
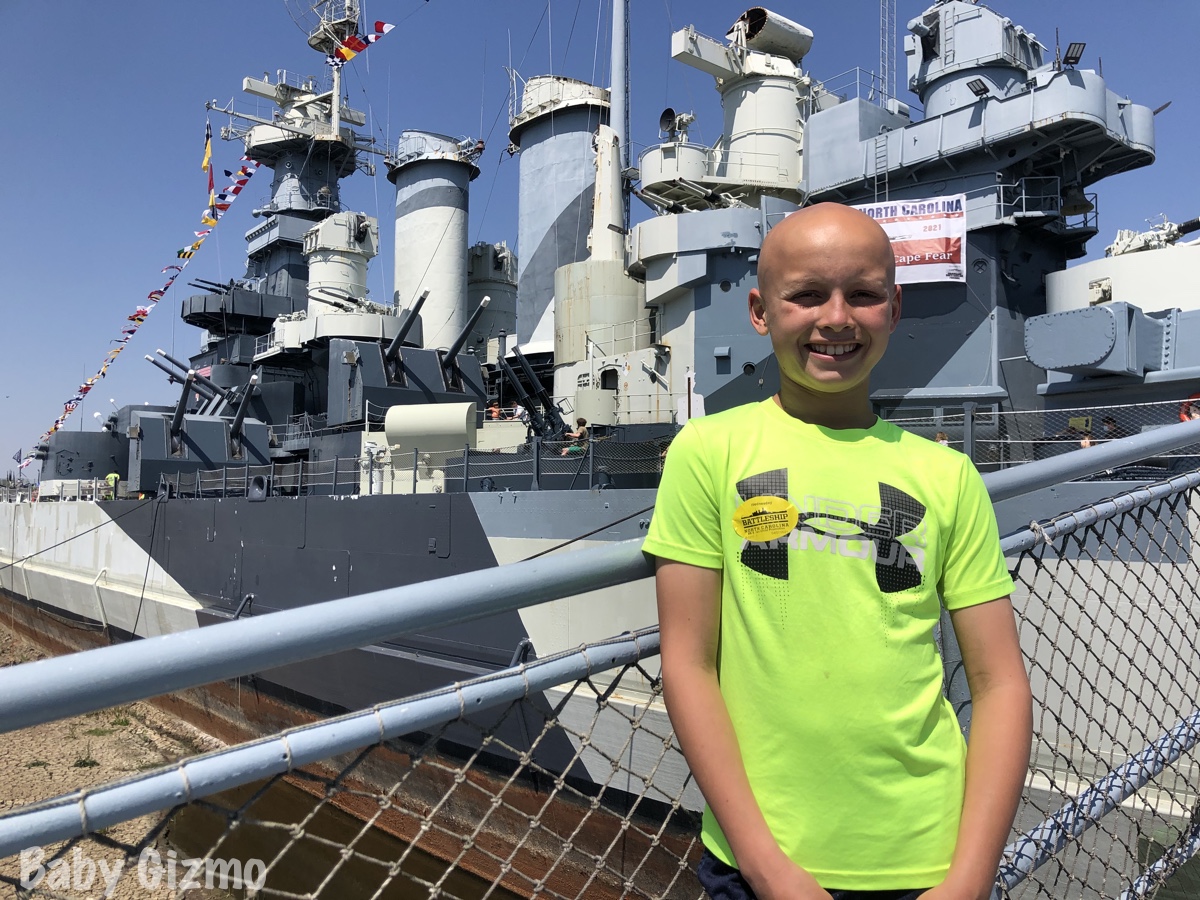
763 519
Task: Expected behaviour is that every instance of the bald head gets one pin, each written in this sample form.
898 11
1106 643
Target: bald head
828 227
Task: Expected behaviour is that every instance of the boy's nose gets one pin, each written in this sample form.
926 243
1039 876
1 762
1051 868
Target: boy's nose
835 312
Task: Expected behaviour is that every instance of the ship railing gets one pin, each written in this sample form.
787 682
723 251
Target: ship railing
16 492
308 83
1039 196
853 84
267 342
561 776
728 167
603 340
997 438
599 463
304 425
746 166
340 475
74 489
376 413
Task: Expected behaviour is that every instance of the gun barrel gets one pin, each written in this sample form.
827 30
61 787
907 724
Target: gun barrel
175 379
553 420
522 396
535 417
215 287
456 347
1189 226
181 406
221 392
410 320
172 360
235 430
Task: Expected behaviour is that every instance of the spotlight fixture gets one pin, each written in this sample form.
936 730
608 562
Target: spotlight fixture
1074 53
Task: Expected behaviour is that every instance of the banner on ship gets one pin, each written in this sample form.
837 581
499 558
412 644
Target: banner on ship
928 236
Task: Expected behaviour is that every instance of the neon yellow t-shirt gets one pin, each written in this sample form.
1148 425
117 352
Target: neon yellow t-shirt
835 546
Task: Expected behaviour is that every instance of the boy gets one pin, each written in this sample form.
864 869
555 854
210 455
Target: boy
579 436
802 546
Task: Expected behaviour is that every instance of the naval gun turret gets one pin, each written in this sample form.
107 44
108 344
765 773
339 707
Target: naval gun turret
1164 234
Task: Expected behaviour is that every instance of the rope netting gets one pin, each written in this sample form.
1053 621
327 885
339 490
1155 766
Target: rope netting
580 791
1109 621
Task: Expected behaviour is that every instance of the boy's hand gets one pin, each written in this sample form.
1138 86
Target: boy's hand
782 879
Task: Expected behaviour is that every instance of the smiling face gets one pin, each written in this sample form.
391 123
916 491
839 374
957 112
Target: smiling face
828 300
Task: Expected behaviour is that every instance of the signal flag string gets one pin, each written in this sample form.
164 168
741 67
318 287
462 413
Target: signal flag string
355 44
218 205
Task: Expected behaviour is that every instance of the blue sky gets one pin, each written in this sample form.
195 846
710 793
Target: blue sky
103 120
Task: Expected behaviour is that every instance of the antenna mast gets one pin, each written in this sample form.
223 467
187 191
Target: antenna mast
887 50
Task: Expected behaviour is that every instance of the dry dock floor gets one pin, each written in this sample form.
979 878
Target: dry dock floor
59 757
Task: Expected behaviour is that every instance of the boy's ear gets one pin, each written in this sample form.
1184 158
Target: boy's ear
758 312
895 309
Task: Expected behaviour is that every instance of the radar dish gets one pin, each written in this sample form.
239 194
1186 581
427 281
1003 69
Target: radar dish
666 122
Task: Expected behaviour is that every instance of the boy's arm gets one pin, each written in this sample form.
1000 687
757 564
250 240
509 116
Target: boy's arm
998 748
689 614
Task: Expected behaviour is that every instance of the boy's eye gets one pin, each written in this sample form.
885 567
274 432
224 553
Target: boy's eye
868 296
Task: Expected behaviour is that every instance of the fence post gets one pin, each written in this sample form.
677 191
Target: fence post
415 452
336 465
537 463
224 482
591 451
466 466
969 408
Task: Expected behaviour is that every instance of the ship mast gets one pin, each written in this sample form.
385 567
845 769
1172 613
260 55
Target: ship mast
310 143
338 21
618 117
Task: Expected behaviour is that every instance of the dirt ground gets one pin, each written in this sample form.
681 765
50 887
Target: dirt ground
54 759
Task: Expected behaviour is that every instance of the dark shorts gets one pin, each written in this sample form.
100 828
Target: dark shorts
724 882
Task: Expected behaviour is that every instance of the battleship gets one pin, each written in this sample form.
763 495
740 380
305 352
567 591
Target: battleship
322 444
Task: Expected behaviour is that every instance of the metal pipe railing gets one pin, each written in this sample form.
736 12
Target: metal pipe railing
1036 847
1047 532
83 812
64 686
1148 883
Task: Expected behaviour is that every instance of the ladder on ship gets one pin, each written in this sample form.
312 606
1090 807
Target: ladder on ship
881 166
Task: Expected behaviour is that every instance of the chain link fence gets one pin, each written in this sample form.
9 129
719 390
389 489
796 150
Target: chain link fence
574 787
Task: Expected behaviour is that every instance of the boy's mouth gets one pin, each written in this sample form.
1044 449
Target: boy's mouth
833 351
